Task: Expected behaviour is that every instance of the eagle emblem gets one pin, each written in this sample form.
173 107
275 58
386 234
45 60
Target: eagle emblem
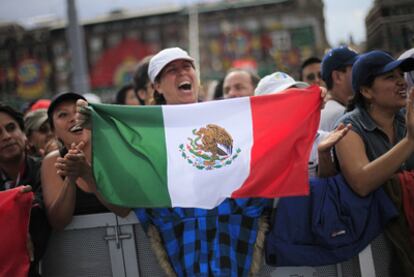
211 147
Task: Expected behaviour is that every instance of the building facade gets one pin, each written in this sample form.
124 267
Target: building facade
264 35
25 63
390 26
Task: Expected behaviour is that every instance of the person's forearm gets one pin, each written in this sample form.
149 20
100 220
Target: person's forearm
374 174
60 212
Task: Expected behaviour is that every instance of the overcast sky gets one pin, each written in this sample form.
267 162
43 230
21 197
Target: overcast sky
343 17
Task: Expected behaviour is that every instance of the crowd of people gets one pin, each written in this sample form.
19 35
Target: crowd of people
366 135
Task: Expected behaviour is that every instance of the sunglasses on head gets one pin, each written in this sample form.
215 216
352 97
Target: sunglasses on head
312 76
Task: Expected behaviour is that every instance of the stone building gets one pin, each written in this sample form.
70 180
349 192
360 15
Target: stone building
390 26
263 34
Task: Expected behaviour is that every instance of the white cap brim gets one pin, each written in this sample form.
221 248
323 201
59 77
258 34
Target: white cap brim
277 82
164 57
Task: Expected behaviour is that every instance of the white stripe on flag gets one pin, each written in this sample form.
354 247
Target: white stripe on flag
188 184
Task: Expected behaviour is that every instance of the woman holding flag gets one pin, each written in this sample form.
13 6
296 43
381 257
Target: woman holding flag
193 241
175 81
225 240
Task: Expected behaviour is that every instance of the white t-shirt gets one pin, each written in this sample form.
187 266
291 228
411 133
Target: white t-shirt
332 111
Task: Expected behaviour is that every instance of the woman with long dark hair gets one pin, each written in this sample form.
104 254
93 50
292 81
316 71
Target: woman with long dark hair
381 141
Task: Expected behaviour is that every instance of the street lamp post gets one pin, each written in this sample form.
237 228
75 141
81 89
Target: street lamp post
80 79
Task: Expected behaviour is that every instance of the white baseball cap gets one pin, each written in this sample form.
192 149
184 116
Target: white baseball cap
164 57
92 98
409 76
276 82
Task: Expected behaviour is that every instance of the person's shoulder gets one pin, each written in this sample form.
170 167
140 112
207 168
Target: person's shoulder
335 104
333 107
48 171
51 158
330 114
54 154
357 118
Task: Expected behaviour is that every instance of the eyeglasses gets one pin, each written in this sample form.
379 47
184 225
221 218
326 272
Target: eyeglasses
312 76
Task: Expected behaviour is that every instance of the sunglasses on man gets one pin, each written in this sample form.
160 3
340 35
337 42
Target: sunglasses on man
312 76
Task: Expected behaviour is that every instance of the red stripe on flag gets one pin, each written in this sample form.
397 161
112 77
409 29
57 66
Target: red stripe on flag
284 128
14 219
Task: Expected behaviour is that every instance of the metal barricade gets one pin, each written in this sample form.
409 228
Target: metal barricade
106 245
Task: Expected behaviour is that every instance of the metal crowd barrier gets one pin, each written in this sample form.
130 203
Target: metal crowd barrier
106 245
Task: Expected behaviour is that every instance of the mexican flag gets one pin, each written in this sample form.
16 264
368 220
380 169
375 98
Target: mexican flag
196 155
14 218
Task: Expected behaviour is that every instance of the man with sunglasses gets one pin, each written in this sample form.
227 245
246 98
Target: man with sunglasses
337 74
310 72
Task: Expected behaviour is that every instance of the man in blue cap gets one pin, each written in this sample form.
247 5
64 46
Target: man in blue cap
337 74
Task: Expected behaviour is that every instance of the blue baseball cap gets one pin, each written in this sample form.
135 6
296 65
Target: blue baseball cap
335 59
374 63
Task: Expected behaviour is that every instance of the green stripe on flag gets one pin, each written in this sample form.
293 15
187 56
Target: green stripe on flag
130 142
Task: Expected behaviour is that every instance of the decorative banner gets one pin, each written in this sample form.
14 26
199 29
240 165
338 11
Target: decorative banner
31 78
248 64
125 71
237 44
116 65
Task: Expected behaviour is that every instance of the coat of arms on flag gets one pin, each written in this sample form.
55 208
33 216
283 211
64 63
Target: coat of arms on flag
211 148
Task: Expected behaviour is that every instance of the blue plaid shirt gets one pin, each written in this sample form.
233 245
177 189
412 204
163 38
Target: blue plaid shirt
216 242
